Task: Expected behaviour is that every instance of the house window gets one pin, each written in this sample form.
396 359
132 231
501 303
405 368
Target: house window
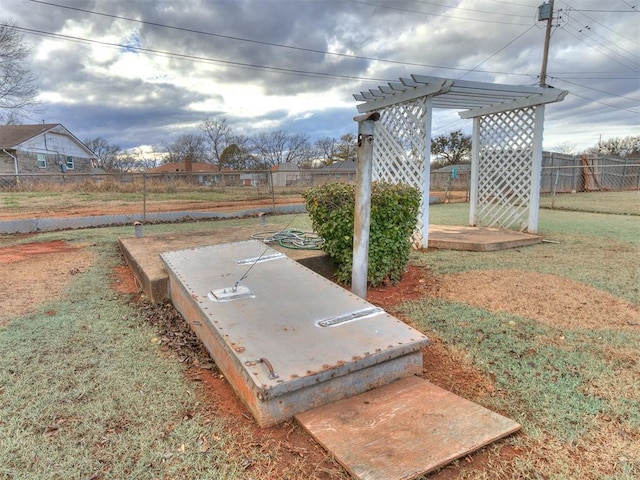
69 163
42 160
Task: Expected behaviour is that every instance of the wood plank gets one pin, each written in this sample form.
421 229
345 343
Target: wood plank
402 430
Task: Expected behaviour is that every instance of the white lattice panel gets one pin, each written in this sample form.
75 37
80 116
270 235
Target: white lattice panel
399 149
505 168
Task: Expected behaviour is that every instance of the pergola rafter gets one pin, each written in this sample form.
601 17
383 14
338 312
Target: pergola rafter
506 148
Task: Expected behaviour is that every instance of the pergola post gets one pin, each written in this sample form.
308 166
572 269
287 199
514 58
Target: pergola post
362 209
426 182
536 170
475 168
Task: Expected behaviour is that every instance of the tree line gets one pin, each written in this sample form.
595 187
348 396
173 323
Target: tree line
217 144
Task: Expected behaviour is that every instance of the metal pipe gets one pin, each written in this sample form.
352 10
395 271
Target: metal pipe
362 209
15 161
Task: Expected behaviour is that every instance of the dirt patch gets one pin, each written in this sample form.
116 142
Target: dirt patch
36 273
542 297
89 209
290 449
443 365
123 281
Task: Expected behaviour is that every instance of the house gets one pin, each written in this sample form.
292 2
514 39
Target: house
44 149
340 171
207 174
286 174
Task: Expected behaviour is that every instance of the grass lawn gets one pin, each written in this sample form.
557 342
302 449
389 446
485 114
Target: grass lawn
625 202
86 391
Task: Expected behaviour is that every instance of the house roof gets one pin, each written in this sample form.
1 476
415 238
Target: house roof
196 167
13 135
340 166
285 167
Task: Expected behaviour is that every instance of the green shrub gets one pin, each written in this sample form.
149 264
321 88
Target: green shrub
394 212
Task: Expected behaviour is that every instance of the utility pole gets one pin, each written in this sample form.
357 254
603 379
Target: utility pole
545 12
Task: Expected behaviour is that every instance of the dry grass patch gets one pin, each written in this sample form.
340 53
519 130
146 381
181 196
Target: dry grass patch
546 298
36 273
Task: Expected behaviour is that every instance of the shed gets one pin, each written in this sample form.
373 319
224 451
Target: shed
506 143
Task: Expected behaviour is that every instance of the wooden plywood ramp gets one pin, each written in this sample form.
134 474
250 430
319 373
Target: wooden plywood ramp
403 430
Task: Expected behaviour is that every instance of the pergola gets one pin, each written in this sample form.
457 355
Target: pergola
506 146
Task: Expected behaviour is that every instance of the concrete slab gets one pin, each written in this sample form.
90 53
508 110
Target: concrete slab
403 430
142 254
478 239
286 338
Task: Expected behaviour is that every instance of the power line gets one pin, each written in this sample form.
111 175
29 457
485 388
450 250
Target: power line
555 74
584 30
209 60
500 50
388 7
587 28
259 42
600 23
471 9
597 50
605 11
512 3
603 103
596 90
193 58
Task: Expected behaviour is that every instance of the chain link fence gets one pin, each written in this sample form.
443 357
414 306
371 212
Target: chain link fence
590 183
601 184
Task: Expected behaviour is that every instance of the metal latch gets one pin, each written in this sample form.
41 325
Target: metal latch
227 294
349 317
260 259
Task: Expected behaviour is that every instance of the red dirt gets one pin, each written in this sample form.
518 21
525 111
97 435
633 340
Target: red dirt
88 210
22 252
123 280
33 273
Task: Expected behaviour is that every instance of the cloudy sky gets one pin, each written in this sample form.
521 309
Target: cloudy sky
142 72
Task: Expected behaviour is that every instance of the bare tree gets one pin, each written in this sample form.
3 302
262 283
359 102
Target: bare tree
565 147
619 146
218 136
325 147
452 149
107 153
278 147
346 148
188 148
18 88
145 159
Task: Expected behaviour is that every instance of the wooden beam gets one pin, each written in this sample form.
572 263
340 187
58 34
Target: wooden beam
405 92
523 102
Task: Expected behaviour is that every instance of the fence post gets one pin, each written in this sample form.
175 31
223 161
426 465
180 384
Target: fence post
554 189
273 189
144 197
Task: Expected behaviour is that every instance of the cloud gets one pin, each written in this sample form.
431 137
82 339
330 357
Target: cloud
268 64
